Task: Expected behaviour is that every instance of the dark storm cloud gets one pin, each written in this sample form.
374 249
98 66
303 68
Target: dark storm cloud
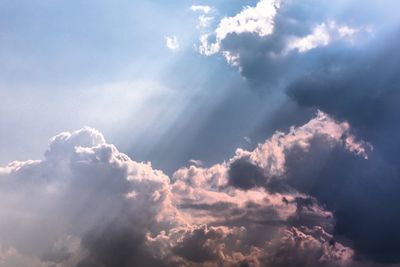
360 193
365 91
355 80
118 243
245 175
193 247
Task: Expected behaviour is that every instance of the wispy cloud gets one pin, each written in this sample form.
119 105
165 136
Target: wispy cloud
172 42
201 8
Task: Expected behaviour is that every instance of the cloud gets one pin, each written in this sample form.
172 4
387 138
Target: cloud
258 20
205 21
362 90
325 55
87 204
244 191
245 175
172 42
222 246
322 35
307 247
271 155
196 162
320 194
269 36
201 8
247 139
205 18
81 187
352 79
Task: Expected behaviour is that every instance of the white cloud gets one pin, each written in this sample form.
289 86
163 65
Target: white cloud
258 20
278 27
172 42
322 35
319 37
201 8
231 58
205 19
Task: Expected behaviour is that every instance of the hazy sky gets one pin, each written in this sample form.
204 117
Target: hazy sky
107 65
159 133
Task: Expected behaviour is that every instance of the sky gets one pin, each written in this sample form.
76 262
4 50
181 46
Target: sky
199 133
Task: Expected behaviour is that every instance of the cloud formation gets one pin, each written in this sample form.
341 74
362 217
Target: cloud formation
329 56
269 40
320 194
60 209
87 204
257 20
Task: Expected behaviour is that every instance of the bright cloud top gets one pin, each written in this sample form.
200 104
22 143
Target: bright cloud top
322 35
258 20
271 21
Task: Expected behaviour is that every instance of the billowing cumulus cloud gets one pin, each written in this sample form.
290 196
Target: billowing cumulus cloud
234 246
69 207
87 204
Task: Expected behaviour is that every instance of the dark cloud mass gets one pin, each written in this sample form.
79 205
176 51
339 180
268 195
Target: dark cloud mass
353 78
366 92
245 175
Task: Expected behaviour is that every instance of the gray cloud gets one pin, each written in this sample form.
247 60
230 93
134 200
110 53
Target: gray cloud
353 79
363 91
245 175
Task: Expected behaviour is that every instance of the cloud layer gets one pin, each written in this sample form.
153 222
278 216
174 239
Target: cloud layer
87 204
